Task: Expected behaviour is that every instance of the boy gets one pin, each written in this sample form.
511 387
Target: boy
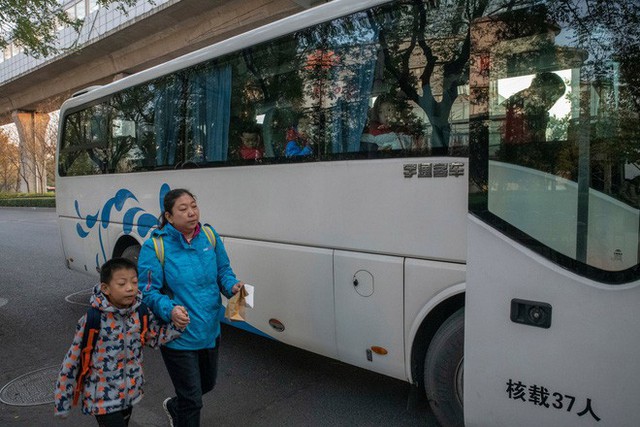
114 381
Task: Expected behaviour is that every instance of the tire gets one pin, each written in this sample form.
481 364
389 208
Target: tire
132 253
443 371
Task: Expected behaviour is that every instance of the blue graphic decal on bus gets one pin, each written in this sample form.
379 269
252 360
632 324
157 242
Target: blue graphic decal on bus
134 217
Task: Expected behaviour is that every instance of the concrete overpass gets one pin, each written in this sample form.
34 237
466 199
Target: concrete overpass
166 31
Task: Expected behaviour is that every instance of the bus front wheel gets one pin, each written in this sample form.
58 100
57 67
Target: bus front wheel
443 371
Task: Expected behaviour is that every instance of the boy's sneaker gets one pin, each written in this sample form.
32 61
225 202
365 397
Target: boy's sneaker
165 405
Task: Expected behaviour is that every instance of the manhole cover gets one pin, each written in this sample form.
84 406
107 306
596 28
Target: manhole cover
34 388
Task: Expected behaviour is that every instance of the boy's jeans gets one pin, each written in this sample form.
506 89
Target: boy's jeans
193 373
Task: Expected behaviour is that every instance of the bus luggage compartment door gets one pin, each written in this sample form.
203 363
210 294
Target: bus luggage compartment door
369 314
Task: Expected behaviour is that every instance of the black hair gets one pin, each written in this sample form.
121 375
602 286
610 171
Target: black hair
170 200
398 101
115 264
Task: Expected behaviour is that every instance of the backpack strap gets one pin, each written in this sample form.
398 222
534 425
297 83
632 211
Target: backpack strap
158 245
143 316
208 231
89 338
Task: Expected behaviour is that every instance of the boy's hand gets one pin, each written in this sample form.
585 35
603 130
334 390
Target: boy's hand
179 316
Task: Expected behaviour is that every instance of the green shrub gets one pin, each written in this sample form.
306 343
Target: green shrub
46 200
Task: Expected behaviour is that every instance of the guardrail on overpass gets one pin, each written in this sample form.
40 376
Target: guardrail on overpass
111 45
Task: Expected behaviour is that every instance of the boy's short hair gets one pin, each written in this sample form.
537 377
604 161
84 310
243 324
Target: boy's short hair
114 264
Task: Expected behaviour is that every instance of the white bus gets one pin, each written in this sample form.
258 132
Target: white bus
441 192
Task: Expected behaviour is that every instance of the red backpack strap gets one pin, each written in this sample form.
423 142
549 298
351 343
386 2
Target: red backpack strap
143 316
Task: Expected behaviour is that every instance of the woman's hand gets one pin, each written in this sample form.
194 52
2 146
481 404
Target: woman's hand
236 288
180 317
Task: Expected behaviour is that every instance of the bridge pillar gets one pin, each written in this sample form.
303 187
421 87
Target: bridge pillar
32 128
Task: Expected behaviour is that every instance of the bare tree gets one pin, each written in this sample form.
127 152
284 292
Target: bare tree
444 51
9 161
32 128
50 144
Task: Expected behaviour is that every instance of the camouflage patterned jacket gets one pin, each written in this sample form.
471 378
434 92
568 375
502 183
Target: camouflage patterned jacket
115 379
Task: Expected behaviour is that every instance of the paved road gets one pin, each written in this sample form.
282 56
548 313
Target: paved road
261 382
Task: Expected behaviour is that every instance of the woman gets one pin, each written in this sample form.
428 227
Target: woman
195 270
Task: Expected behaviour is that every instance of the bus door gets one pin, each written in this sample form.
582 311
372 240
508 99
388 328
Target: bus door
552 323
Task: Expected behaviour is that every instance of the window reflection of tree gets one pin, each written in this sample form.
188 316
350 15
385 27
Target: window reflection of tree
135 106
608 33
427 62
78 155
272 68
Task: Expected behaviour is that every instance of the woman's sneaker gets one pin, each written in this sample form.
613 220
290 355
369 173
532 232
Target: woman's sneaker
165 405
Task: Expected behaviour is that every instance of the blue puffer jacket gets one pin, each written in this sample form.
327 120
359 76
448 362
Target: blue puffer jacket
196 273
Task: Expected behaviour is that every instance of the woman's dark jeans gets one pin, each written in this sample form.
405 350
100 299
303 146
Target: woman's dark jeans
115 419
193 373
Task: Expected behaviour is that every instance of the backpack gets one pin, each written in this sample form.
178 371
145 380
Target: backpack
90 337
